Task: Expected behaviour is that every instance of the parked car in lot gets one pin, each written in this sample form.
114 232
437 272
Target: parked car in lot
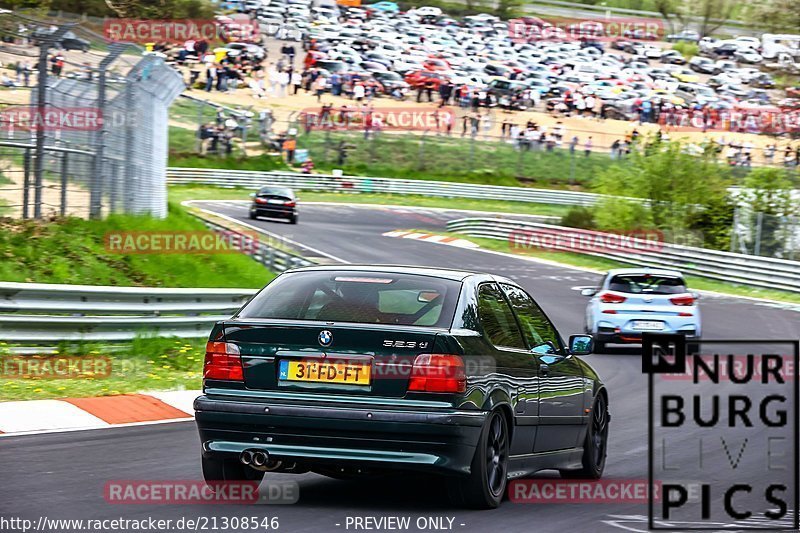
68 41
689 36
358 371
274 202
673 57
762 81
631 301
747 55
703 65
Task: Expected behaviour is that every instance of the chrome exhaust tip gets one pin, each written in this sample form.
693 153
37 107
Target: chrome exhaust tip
246 457
260 458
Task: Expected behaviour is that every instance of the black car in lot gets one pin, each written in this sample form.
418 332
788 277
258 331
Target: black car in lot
274 202
68 41
352 371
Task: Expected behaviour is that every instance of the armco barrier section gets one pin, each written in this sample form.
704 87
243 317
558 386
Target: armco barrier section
43 313
360 184
764 272
38 312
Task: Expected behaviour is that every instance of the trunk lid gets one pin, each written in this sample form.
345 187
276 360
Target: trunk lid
363 359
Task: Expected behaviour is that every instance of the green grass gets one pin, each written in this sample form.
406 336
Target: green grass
73 250
599 263
191 112
179 193
454 158
144 364
413 156
182 140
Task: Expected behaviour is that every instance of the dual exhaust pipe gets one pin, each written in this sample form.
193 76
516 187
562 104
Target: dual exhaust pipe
256 458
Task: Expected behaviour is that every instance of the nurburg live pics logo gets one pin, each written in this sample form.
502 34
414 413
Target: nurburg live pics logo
737 429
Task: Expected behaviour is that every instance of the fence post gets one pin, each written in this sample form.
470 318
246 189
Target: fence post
114 186
26 182
64 170
41 102
759 222
96 181
572 167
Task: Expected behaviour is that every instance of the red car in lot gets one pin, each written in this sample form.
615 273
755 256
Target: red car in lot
421 78
437 64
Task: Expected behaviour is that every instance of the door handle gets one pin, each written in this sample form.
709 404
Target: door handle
544 369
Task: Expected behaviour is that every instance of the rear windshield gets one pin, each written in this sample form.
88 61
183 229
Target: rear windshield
647 283
362 297
275 191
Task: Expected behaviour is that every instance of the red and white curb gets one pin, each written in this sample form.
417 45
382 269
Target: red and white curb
429 237
69 414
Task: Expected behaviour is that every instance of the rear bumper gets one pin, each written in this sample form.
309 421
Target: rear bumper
633 337
276 212
356 435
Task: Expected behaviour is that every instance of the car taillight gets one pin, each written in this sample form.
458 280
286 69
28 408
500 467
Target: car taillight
610 298
261 200
435 372
682 300
289 203
223 362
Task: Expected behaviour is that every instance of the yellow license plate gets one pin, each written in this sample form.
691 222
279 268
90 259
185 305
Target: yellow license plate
322 372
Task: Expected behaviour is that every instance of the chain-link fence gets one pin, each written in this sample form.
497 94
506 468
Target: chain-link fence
766 235
465 147
83 121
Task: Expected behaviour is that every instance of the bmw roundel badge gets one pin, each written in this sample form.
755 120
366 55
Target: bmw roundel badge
325 338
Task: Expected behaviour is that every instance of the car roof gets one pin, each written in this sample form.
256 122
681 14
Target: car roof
653 271
446 273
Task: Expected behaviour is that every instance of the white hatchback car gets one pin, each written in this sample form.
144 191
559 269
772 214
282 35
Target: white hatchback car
631 301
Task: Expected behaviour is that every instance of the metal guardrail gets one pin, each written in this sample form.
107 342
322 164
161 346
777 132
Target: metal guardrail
361 184
272 258
38 312
764 272
44 313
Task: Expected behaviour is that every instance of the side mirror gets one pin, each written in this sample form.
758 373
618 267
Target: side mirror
252 195
588 292
581 344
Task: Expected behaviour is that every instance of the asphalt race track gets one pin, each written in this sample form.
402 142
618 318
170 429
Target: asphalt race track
63 475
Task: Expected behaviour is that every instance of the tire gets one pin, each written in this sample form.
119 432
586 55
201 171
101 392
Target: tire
599 346
486 484
252 216
216 470
595 446
293 219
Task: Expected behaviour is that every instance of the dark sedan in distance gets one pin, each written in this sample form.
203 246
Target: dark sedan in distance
274 202
350 371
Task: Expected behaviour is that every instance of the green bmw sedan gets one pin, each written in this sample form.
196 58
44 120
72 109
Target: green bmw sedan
359 370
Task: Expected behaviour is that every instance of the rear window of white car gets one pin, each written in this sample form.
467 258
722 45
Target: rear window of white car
647 283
